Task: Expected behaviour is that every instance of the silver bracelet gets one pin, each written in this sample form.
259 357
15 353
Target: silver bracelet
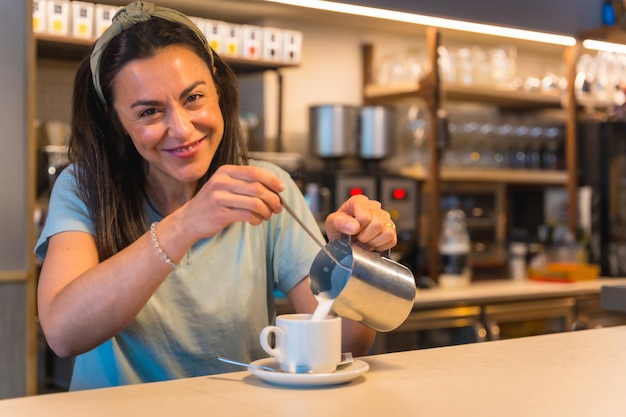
157 245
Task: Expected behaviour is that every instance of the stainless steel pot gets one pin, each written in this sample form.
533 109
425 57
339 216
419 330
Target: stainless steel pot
377 125
333 130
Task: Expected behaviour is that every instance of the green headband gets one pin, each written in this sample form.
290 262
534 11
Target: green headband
126 17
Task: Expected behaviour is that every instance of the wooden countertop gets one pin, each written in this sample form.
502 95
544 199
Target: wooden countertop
566 374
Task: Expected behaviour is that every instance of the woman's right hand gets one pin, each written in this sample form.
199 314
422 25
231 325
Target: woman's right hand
232 194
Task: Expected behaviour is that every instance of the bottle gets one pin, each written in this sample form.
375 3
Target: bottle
518 261
454 247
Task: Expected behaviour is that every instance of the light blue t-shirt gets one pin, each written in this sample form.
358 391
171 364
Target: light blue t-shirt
215 306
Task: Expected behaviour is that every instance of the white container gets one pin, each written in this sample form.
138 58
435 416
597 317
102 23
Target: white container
103 17
40 14
251 41
58 22
215 31
57 132
232 40
518 268
292 46
272 44
82 19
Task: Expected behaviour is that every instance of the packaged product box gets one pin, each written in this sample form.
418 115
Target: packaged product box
82 19
215 32
251 41
103 17
39 16
272 44
292 46
58 22
232 40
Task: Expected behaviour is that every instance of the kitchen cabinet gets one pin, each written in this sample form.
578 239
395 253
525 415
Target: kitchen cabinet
502 309
499 309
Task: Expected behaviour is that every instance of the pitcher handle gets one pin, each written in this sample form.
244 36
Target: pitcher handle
385 253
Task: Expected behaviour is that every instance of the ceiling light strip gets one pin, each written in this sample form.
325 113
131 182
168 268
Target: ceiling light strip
433 21
604 46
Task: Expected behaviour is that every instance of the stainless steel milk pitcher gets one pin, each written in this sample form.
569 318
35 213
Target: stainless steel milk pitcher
369 288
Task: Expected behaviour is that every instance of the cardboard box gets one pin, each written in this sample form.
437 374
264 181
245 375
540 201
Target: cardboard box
272 44
103 17
251 41
58 19
82 19
39 16
214 30
232 39
292 46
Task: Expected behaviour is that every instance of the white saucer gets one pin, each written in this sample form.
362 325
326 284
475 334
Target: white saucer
340 376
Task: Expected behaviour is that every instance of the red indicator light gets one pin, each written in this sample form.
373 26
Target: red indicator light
399 194
355 191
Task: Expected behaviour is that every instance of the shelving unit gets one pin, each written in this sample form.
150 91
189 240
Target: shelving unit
381 94
509 176
66 47
433 91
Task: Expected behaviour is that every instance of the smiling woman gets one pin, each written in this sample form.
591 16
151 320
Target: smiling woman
160 173
177 128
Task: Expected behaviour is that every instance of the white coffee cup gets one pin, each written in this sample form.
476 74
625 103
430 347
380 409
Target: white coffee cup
303 345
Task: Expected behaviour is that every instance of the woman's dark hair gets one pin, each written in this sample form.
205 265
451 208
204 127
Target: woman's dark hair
109 170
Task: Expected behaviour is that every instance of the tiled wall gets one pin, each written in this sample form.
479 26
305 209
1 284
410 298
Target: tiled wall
55 79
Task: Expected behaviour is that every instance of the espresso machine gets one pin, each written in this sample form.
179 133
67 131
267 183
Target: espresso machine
350 143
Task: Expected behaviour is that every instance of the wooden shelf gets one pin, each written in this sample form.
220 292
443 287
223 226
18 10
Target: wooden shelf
62 47
246 66
594 103
477 93
607 34
508 176
500 95
67 47
13 276
383 93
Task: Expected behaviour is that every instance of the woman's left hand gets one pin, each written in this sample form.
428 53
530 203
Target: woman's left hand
365 221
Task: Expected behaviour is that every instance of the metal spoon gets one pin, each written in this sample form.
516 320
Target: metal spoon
346 359
310 233
247 365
